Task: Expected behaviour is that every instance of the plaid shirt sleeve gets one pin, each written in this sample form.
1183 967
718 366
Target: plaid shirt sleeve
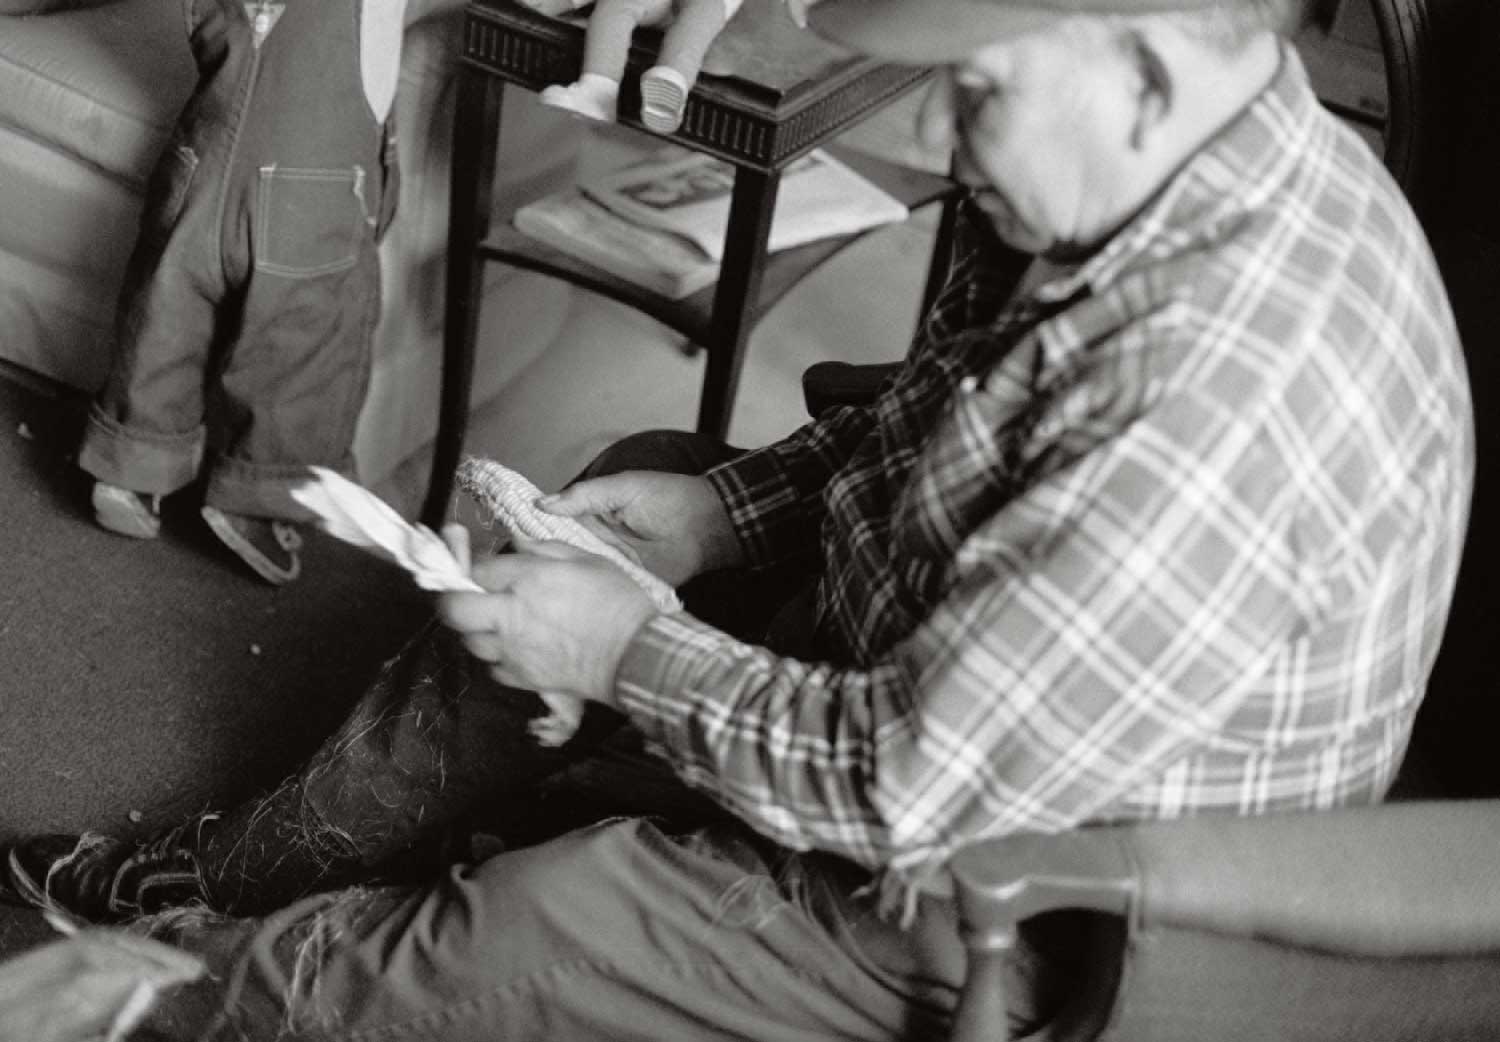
1046 683
774 495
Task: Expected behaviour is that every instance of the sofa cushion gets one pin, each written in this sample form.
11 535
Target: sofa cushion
104 84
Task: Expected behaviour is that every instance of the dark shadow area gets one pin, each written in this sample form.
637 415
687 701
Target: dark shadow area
1461 715
146 680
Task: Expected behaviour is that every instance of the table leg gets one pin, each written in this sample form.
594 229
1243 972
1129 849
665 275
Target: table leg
737 297
476 132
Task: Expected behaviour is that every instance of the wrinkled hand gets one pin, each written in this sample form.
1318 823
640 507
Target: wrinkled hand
95 985
555 619
674 524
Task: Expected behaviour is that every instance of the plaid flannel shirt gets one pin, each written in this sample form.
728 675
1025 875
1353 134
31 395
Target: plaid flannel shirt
1174 531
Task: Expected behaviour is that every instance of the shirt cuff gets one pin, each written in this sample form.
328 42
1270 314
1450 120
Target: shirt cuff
764 507
656 669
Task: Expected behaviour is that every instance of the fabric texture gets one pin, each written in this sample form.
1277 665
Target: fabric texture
592 922
1174 531
631 932
68 218
1169 532
250 300
102 84
436 742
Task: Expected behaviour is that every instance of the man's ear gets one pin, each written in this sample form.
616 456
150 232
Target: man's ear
1155 88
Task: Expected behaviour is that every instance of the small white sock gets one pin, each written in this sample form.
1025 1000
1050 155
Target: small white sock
597 86
593 95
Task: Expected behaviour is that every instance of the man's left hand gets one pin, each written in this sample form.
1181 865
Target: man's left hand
555 619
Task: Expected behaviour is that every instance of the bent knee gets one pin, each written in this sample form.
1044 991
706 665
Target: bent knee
666 451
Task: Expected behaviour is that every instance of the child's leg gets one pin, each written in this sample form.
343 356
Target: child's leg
300 243
606 45
611 27
689 37
146 426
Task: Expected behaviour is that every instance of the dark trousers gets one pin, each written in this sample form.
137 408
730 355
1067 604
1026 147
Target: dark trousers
616 904
251 296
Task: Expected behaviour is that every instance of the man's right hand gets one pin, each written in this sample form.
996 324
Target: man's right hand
674 524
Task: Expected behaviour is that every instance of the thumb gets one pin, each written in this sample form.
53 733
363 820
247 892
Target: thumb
595 496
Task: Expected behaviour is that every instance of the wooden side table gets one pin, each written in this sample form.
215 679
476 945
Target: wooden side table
789 94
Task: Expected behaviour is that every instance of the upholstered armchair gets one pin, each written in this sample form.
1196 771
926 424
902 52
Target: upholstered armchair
1366 925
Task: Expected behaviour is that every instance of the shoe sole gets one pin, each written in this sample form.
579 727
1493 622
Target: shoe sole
662 104
247 551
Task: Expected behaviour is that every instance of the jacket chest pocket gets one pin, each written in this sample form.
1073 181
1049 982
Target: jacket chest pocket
309 222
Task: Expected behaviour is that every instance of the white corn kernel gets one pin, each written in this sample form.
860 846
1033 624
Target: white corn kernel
511 499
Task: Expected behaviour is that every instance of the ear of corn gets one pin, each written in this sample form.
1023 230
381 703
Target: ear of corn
511 499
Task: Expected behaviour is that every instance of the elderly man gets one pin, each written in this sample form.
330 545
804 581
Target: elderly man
1166 525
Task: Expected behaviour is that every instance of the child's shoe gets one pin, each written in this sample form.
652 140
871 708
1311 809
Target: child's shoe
664 94
120 510
593 96
268 547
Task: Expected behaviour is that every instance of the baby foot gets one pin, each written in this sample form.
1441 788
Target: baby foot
552 8
593 96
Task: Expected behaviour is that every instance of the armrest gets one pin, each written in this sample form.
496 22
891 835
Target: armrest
831 383
1401 879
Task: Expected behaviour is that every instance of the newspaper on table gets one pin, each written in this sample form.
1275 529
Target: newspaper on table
687 194
580 227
